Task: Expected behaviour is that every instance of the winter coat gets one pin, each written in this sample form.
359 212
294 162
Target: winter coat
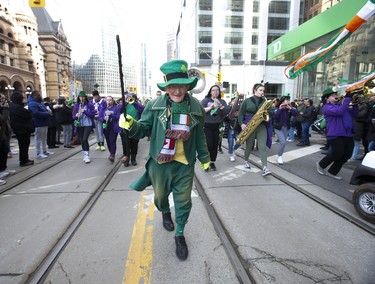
40 113
339 119
20 118
63 114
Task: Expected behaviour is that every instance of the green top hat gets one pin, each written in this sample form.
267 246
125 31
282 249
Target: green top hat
82 94
328 92
285 96
176 72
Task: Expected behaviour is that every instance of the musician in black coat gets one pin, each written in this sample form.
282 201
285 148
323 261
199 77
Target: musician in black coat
22 126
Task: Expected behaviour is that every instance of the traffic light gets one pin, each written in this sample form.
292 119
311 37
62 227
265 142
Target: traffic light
37 3
219 76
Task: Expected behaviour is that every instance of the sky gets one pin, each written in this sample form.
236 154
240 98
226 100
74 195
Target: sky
146 20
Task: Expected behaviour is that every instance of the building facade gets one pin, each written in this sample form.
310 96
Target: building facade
353 59
231 37
31 56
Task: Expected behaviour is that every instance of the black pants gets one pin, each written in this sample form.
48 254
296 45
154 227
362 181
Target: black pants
23 145
132 147
212 138
51 136
83 133
4 150
341 149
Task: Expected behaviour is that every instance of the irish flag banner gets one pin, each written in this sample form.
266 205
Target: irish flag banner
311 59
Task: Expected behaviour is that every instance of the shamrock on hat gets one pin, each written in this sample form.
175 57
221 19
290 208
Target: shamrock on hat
176 72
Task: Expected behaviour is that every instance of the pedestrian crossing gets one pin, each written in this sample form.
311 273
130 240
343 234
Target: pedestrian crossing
289 156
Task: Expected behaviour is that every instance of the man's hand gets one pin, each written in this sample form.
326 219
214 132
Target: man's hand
205 166
127 122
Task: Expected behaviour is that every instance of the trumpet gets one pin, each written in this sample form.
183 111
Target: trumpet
362 90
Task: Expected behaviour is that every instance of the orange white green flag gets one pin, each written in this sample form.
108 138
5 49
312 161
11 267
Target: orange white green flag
311 59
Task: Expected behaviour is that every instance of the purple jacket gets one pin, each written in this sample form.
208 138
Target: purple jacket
89 111
113 120
339 118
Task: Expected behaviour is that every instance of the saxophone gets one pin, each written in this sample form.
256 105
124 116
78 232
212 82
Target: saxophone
260 116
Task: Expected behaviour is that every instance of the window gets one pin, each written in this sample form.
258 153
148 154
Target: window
272 37
255 22
256 6
2 59
233 38
235 5
10 35
205 53
28 48
233 53
30 65
205 5
254 54
205 21
11 62
205 37
10 47
254 39
278 23
25 29
1 31
279 7
234 22
1 44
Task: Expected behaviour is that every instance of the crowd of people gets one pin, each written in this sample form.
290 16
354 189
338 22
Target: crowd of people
183 129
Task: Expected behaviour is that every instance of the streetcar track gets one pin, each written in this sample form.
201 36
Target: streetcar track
351 218
42 271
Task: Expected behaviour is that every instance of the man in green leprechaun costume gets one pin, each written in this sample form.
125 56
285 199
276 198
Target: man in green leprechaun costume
175 122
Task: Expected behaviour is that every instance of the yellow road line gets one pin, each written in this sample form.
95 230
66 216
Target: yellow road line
139 262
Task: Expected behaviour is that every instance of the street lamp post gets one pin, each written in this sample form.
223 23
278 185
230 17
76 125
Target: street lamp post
9 89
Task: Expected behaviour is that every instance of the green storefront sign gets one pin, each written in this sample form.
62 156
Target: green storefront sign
332 19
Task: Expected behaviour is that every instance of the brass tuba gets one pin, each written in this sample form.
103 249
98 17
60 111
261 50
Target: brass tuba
256 120
362 90
195 72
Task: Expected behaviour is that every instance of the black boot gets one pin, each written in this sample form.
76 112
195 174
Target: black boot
167 221
181 247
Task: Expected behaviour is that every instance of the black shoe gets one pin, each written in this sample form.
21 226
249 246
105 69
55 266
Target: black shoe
53 147
301 144
324 148
167 221
212 166
59 143
27 163
134 163
68 147
221 151
181 248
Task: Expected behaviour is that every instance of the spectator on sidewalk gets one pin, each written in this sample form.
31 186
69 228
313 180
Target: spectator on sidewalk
41 116
22 126
65 119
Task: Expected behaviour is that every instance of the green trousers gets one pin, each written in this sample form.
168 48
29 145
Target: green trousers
261 135
175 178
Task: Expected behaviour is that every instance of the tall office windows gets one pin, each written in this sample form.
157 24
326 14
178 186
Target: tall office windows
255 23
235 22
235 5
279 7
233 53
254 39
256 6
205 37
205 21
205 5
254 53
278 23
233 38
204 53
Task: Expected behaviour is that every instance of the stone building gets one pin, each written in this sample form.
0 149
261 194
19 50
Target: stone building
34 51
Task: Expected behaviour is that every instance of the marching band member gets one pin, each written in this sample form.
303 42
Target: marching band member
340 128
263 135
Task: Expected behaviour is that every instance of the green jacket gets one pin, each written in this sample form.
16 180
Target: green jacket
154 122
